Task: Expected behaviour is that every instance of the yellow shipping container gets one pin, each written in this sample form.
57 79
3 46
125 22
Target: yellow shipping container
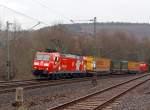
103 64
133 66
89 63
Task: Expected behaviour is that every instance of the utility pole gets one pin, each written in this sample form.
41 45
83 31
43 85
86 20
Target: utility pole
35 25
8 63
95 19
94 33
94 78
94 29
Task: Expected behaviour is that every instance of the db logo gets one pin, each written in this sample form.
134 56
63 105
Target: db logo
41 63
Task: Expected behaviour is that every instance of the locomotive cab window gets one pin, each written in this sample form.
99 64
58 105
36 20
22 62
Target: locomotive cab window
39 57
46 57
42 57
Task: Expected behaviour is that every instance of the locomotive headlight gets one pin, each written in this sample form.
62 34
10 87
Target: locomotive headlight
36 63
35 67
46 64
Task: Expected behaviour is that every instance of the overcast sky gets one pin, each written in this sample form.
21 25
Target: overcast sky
61 11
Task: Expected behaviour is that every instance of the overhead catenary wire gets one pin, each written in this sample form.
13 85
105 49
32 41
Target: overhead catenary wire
22 14
54 11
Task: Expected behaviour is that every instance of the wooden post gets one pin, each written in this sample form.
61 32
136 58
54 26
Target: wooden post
19 96
94 80
19 99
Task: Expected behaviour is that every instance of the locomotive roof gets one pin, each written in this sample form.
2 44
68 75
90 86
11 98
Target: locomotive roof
70 55
64 55
47 52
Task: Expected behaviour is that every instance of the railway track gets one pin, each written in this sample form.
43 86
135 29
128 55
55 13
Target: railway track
1 82
101 99
31 84
10 86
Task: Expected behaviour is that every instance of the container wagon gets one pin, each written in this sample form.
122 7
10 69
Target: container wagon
115 66
89 63
133 67
124 67
103 65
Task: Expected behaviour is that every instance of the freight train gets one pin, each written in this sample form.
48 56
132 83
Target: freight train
53 64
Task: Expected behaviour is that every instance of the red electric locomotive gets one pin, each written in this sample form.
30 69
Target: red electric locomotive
54 64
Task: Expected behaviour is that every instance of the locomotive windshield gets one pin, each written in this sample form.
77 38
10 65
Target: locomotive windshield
42 57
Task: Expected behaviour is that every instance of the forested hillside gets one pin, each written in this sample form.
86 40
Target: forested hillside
119 44
139 30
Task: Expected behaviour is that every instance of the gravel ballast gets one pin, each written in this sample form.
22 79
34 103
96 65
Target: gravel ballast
43 98
137 99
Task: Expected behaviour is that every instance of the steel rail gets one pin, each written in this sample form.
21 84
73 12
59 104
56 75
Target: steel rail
26 86
103 103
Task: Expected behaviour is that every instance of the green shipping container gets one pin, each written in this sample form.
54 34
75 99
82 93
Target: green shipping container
124 65
115 65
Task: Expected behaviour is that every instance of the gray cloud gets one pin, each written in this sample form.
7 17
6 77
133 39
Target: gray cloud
53 11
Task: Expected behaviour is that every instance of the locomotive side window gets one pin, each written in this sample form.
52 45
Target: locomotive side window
56 59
